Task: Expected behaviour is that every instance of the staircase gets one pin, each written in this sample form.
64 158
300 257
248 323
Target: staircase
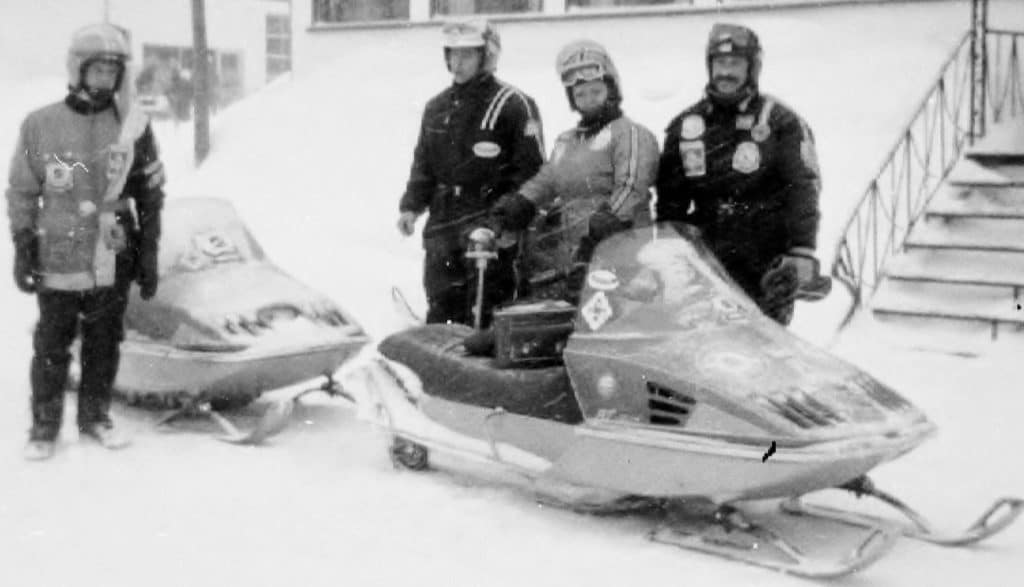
962 265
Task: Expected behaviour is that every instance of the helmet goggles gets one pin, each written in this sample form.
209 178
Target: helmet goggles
727 39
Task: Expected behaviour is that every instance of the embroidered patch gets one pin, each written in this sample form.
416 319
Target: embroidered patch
745 122
694 161
601 140
747 158
693 127
59 177
760 133
117 162
597 311
602 280
532 129
486 149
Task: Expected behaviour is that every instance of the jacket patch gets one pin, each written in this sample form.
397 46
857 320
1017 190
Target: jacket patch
693 127
693 156
532 129
59 176
745 122
809 155
760 133
747 158
486 149
117 161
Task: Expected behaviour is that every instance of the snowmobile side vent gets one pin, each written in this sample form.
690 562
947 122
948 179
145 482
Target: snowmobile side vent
881 394
667 406
803 409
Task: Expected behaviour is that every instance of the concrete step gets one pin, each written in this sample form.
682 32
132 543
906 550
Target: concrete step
981 268
969 172
970 202
974 234
1002 143
949 302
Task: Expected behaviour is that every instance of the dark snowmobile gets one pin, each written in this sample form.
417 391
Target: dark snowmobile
226 325
673 391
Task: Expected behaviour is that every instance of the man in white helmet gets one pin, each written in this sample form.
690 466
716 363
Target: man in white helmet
77 164
479 138
741 166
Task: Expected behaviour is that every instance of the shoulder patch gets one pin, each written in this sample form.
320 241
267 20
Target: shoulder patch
692 127
532 129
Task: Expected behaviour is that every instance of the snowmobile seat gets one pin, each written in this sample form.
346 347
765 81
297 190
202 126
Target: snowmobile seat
436 354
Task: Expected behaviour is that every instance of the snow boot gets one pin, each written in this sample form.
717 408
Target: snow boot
105 434
39 450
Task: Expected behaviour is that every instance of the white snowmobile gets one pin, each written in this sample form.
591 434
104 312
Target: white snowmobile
673 394
226 325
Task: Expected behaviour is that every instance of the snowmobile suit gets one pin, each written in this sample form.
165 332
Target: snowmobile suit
74 169
606 165
747 176
477 141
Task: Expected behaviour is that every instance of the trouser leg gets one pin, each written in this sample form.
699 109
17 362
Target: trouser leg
54 333
102 333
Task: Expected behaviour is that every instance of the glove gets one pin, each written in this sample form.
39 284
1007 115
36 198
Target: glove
26 260
407 222
148 275
513 212
603 224
155 175
805 264
785 278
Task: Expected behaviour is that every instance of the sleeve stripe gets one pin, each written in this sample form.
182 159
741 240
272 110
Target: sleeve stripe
634 164
497 110
490 107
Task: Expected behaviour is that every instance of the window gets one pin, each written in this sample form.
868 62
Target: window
606 3
359 10
460 7
279 45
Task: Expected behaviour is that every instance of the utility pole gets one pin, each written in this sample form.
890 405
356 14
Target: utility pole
201 79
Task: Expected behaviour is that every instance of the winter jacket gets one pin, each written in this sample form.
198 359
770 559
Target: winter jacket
477 141
747 176
611 167
72 173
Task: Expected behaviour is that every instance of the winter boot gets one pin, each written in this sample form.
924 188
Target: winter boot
39 450
105 434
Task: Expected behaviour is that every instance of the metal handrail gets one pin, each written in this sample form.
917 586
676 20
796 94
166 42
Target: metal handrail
926 151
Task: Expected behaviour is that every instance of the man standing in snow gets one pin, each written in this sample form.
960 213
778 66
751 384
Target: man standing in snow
742 167
479 138
77 246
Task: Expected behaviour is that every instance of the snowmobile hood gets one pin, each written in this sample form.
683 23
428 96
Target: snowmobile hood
219 292
665 339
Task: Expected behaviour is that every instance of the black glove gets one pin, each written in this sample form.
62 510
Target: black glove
603 224
779 287
513 212
148 274
26 260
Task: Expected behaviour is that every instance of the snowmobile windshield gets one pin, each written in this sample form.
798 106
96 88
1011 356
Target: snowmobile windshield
657 280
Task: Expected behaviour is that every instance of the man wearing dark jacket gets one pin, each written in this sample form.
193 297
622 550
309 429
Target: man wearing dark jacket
77 247
479 138
742 167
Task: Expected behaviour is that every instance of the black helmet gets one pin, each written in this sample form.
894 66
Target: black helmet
734 39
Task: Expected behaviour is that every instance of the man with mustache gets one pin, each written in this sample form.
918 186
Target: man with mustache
742 167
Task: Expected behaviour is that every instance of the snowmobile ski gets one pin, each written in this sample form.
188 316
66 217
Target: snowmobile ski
728 533
996 518
274 419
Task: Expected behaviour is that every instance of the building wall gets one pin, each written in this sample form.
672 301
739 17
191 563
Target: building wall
36 32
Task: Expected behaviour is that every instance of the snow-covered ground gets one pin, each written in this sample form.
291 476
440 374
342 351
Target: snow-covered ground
315 166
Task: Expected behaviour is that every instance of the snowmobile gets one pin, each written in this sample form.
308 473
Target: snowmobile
665 390
226 325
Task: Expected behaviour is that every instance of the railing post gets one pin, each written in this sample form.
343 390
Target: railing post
979 67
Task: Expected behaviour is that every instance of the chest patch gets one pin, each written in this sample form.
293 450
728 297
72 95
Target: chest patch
486 149
693 127
117 162
693 157
747 158
59 176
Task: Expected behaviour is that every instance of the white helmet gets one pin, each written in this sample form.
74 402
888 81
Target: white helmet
97 42
585 61
474 32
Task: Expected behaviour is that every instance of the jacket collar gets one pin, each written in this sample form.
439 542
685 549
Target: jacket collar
85 107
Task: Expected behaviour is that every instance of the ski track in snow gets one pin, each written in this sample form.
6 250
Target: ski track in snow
321 503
